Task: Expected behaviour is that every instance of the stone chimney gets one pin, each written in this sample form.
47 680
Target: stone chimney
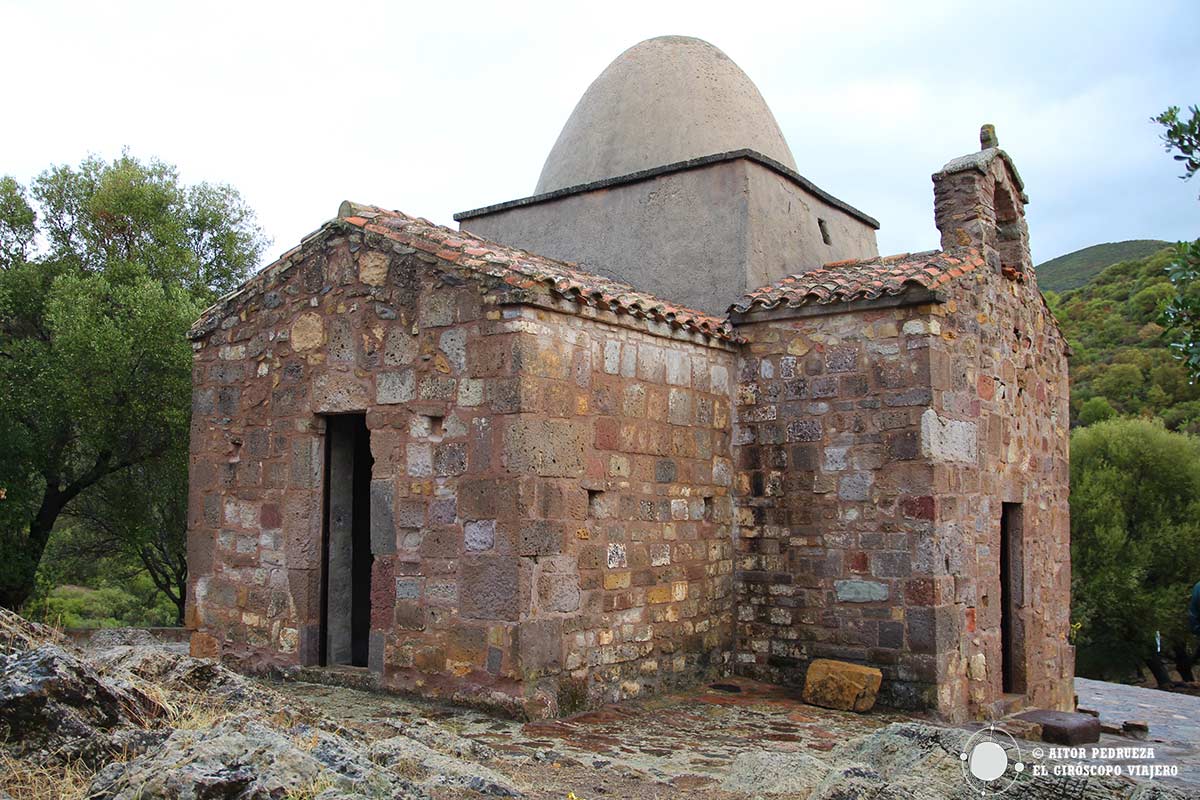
979 201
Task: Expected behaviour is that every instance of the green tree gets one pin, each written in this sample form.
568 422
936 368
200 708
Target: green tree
1135 545
140 516
1123 383
1182 314
95 374
1182 135
1096 409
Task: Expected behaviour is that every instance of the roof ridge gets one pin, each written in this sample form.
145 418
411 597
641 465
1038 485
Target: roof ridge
863 279
520 268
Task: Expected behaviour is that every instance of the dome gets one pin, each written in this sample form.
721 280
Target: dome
662 101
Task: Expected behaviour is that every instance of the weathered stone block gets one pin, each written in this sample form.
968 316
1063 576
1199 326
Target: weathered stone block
540 538
558 592
539 645
948 439
408 588
450 459
490 588
308 332
841 685
479 534
547 447
383 529
395 387
856 486
373 268
337 393
854 591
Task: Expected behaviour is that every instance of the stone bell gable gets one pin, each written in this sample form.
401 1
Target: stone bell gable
979 201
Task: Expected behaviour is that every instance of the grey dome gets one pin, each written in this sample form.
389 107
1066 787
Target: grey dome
662 101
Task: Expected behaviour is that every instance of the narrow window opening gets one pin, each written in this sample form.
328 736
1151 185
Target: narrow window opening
1009 240
593 508
346 588
426 426
824 231
1012 583
708 508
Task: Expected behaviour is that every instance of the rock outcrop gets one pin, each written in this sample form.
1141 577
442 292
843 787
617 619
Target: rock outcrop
55 704
157 724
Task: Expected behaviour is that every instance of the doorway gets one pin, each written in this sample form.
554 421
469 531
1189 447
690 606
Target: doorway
346 546
1012 593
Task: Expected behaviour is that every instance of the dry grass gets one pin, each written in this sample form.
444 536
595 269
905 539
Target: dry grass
309 742
194 712
409 768
29 781
311 789
18 633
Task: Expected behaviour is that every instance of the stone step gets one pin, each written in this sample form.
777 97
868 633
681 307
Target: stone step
1064 727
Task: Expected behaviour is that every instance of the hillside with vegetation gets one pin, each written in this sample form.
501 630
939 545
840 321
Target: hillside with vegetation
1073 270
1121 363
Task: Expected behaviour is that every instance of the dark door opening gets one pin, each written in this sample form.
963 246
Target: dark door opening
1012 593
346 588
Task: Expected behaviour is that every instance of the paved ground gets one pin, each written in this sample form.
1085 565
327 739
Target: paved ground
675 746
1174 721
682 745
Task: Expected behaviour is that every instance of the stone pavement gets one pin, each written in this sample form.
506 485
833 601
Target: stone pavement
1174 721
685 745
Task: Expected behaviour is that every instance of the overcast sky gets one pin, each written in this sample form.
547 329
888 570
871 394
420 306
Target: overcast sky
442 107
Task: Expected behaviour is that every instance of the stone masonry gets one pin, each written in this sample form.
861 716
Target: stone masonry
581 493
550 495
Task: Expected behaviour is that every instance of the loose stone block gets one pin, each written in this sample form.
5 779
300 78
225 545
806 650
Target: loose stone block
841 685
1064 727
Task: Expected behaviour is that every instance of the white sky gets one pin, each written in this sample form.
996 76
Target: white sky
437 108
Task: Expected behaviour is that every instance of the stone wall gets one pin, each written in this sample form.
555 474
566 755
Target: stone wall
877 446
997 429
875 451
550 502
835 500
622 440
1005 379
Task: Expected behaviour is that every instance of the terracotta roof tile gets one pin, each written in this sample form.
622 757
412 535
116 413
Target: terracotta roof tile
526 270
517 268
846 281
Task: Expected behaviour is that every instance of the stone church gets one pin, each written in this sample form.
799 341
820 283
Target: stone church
671 417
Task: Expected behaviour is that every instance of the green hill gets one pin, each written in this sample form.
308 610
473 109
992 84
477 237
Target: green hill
1075 269
1120 362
